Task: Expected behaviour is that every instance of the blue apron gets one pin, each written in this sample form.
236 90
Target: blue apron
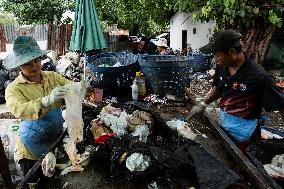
38 135
239 128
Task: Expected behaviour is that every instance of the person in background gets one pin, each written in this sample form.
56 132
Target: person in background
140 45
189 49
34 97
162 47
243 87
151 48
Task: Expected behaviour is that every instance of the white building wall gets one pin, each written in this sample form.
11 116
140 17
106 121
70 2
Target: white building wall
183 21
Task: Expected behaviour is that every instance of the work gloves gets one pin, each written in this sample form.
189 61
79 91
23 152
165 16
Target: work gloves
56 94
197 110
59 93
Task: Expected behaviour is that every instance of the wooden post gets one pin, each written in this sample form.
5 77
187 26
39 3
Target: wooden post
4 170
49 31
2 39
68 36
61 32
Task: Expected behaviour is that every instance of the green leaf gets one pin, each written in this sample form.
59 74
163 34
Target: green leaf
256 10
274 19
242 13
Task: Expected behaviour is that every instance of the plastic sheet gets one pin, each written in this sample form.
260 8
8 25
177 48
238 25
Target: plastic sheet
189 159
142 131
261 153
179 158
137 162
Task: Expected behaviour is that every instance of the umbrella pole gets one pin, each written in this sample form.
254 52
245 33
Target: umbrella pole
84 65
84 60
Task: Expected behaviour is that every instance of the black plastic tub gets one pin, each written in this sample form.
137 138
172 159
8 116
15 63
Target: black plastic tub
201 62
166 74
116 81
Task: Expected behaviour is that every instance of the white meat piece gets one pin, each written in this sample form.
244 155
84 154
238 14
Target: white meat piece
182 128
71 169
138 162
71 150
269 135
73 99
115 119
186 131
48 164
276 168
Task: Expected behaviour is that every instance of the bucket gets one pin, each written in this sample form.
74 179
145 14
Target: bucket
8 130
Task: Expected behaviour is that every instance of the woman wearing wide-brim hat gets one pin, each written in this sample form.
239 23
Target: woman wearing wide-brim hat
162 47
34 97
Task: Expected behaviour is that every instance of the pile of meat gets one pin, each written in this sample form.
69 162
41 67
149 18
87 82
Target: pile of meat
115 122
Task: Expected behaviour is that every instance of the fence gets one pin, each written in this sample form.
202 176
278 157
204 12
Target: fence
39 32
58 37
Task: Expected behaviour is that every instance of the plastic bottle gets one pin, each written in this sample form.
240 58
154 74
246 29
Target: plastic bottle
141 85
134 90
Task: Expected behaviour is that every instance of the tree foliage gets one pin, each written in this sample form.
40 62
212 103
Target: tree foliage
36 11
7 19
152 16
256 20
139 16
240 13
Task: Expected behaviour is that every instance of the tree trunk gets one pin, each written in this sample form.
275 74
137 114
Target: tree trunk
256 41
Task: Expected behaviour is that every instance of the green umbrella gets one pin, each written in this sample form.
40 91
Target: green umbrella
87 32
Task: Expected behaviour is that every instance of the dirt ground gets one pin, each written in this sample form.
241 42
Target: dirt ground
275 120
